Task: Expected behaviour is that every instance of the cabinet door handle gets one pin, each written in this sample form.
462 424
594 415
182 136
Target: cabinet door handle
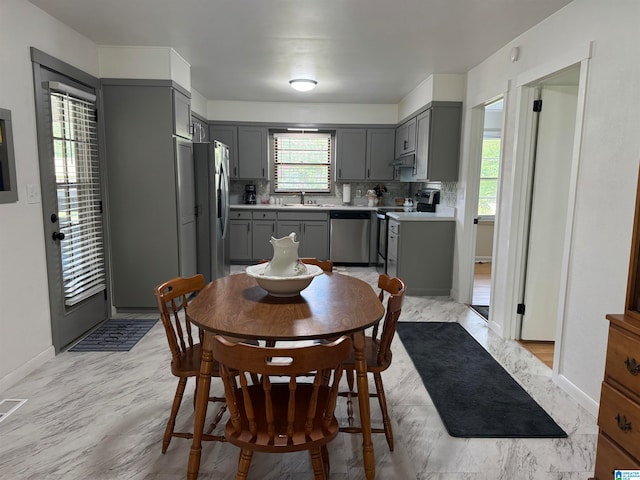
248 227
632 366
623 424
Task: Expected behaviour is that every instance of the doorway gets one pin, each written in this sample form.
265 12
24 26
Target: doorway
70 178
553 129
492 132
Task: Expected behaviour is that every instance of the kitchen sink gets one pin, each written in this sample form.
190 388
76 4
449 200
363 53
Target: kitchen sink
308 205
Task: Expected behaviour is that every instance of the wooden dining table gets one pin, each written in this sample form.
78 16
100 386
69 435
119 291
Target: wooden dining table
332 305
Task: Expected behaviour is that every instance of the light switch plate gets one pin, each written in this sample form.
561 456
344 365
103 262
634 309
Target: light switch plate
33 193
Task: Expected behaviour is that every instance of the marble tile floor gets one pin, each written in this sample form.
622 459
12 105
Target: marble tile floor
101 416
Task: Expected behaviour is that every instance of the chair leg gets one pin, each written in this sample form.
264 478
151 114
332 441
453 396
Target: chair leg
325 460
382 400
244 463
177 400
316 462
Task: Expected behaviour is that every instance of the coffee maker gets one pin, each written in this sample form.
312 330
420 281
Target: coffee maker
250 194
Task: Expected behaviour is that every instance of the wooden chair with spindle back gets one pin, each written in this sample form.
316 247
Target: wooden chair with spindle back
172 298
281 417
378 354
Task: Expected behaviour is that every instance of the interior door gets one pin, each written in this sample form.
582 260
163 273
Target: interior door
72 205
552 168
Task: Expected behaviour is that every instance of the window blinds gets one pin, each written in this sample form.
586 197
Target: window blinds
302 162
75 148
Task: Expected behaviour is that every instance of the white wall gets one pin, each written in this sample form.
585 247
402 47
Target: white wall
609 159
25 328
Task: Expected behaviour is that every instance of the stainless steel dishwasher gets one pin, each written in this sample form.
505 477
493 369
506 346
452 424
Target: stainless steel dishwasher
350 236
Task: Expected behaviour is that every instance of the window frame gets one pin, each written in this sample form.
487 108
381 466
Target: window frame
496 178
10 194
294 131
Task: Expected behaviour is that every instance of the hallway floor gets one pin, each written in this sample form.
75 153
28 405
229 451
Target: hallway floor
101 416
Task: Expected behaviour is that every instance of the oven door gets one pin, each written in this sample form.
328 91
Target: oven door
382 243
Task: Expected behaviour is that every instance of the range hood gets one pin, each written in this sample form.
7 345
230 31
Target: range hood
407 161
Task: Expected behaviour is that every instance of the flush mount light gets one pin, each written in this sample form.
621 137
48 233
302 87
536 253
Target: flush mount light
303 84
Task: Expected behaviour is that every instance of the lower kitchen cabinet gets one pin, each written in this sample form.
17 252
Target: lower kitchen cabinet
311 229
264 227
241 238
421 254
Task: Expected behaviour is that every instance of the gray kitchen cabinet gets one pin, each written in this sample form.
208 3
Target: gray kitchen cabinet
252 152
241 236
437 149
150 193
263 228
380 148
200 129
421 254
365 154
182 126
351 153
406 138
311 229
227 134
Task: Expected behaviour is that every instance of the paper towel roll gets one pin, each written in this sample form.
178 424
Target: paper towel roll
346 193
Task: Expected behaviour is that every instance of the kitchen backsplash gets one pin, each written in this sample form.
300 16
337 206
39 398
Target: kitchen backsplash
448 192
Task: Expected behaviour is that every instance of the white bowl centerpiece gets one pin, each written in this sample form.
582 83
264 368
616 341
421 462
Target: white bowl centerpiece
285 275
283 286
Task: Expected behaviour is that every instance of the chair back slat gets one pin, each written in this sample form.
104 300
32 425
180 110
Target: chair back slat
395 290
283 414
172 298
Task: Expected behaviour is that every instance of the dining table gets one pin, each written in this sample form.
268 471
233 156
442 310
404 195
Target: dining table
332 305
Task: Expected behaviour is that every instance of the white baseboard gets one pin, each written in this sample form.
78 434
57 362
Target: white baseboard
483 259
578 395
14 377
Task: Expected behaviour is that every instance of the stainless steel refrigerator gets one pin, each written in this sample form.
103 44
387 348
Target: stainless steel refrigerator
211 164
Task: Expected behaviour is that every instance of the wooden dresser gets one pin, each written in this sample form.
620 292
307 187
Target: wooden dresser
619 415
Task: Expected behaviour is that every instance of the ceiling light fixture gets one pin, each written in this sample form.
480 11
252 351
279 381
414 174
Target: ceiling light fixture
303 84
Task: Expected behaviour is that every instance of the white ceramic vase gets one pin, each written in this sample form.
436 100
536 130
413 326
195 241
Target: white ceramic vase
285 261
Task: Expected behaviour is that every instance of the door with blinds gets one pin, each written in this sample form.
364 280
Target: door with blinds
72 205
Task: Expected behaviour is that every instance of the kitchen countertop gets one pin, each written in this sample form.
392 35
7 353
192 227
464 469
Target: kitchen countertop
442 214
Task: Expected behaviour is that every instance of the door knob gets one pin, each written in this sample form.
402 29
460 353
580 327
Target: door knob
58 236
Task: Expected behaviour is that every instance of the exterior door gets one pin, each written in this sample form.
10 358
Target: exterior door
554 147
72 205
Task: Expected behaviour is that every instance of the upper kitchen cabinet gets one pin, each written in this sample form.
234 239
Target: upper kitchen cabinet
247 149
252 152
437 149
182 126
365 154
150 190
200 129
406 138
227 134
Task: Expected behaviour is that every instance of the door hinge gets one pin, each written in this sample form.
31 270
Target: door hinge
520 309
475 221
96 115
537 105
100 207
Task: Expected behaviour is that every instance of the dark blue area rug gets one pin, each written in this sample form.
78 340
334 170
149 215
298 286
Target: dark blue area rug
114 336
482 310
473 394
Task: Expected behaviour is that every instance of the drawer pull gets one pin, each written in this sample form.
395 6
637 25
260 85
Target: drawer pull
623 424
632 366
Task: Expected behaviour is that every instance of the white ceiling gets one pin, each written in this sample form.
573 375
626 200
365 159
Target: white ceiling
359 51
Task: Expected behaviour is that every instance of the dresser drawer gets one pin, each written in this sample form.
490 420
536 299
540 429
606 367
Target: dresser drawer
619 418
610 458
623 358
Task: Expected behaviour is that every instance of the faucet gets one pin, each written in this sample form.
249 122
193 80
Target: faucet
302 198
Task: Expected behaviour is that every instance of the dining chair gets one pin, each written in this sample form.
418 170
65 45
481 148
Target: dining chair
378 354
173 302
278 417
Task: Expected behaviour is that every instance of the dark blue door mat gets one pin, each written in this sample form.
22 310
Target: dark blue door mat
473 394
114 336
